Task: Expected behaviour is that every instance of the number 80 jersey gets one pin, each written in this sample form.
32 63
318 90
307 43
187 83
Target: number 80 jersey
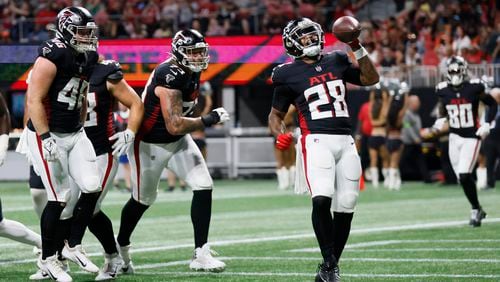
461 105
318 91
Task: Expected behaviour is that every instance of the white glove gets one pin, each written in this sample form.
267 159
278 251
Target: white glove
50 150
223 115
439 124
484 130
4 144
124 140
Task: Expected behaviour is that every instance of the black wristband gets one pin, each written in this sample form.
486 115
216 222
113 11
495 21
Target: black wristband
45 135
210 119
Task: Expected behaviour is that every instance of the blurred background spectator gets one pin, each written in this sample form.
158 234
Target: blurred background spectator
396 32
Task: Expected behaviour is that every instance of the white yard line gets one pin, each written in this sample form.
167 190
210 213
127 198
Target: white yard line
295 274
285 237
415 260
165 199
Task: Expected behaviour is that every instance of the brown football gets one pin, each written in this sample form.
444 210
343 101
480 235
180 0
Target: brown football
346 29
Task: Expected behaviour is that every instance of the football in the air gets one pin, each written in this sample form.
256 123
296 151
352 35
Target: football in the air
346 29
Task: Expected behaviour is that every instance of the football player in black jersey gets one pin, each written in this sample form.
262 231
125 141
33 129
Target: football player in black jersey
316 84
9 228
106 87
59 148
169 97
459 100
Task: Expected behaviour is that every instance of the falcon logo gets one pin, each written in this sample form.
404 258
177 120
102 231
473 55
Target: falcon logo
45 51
318 68
67 18
169 78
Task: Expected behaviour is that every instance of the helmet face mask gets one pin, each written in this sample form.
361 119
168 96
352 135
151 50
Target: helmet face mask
456 70
191 50
303 38
76 27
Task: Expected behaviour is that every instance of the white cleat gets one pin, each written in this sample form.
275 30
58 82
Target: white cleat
128 266
204 261
53 267
112 265
39 275
78 256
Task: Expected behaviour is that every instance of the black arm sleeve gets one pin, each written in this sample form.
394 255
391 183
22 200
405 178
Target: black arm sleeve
492 106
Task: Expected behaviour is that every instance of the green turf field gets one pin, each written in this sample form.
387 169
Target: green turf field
417 234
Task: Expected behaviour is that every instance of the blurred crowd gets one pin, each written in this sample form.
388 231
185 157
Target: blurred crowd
396 33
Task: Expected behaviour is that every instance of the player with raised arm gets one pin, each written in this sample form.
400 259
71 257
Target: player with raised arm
169 98
459 99
58 146
316 84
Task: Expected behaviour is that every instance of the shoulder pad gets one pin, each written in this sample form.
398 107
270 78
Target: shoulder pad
170 75
442 85
114 70
277 75
53 49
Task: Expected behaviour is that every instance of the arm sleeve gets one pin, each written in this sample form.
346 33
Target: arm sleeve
282 96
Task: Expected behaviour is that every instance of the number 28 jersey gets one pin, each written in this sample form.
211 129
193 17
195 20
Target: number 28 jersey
461 105
318 91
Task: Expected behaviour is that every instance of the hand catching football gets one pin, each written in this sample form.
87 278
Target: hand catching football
347 30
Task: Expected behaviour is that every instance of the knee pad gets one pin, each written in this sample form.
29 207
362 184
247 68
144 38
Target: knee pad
465 178
346 201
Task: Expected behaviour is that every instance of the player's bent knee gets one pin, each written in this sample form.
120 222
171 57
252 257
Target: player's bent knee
465 178
347 201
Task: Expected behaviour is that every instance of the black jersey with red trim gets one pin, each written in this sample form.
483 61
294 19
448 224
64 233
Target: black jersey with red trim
168 75
461 105
69 87
99 124
318 92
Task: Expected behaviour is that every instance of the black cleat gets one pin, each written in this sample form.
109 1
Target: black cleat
328 273
476 216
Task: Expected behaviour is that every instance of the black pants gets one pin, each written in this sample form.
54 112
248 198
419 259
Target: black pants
449 174
491 149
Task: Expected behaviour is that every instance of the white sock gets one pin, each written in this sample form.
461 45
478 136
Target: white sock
19 232
385 173
482 178
291 177
374 175
283 175
39 199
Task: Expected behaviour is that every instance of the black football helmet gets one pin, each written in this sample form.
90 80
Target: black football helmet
298 29
191 50
456 68
76 27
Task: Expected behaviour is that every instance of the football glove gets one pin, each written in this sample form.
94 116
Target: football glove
283 141
483 130
49 148
219 115
4 144
124 140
